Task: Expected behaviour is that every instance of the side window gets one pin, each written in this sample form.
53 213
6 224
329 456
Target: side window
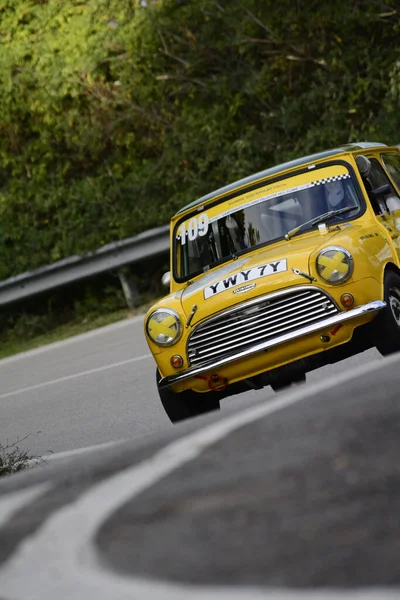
377 178
392 164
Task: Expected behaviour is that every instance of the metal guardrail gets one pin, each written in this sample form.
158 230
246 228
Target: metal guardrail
75 268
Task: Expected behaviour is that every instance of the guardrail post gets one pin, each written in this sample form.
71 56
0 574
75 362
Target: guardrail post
115 255
129 288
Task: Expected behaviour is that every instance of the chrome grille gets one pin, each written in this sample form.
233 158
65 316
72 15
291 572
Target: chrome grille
259 320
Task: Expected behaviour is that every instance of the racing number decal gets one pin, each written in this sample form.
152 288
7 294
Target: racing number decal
196 226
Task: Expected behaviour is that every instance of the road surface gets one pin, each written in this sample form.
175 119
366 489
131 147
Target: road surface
293 498
97 388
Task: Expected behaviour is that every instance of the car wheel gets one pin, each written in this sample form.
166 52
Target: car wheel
387 324
186 404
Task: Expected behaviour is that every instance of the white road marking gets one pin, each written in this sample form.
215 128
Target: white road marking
75 338
60 560
74 376
11 503
67 454
80 451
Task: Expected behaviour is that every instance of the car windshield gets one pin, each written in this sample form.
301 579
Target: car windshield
262 216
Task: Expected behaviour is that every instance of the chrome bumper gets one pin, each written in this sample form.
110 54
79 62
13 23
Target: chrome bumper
371 307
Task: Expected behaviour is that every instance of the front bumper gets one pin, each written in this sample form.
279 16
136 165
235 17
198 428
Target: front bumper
365 309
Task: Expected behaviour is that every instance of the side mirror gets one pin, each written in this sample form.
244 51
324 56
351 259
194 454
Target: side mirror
166 279
382 190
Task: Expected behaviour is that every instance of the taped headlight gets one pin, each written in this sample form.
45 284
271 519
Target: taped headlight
164 327
334 264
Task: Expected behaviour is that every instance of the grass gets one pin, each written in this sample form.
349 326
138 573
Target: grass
91 321
13 459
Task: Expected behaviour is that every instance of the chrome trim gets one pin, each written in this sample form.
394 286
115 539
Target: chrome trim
295 302
271 296
302 274
257 321
371 307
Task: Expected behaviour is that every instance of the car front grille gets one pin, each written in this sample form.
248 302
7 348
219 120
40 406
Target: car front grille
257 321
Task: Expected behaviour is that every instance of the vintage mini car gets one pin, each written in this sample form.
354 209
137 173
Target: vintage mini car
278 274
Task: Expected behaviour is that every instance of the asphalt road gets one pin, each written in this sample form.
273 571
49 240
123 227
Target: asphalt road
289 499
97 388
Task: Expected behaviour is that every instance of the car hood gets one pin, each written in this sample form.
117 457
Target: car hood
259 272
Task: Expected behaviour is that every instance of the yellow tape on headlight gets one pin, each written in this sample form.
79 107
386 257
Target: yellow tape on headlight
164 327
334 264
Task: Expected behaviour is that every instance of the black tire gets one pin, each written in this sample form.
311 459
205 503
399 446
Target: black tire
186 404
387 324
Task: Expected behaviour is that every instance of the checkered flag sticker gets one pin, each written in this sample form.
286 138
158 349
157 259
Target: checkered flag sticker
329 179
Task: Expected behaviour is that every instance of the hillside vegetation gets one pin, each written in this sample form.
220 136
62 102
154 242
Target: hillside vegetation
115 114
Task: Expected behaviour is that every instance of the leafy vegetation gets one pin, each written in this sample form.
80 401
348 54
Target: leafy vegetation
77 308
114 113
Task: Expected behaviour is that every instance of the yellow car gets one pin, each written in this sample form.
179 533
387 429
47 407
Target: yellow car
279 274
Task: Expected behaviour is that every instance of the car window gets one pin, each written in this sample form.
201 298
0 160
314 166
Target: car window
376 179
377 176
392 164
262 216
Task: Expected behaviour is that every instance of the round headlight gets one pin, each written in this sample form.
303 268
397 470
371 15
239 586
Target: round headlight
334 264
164 327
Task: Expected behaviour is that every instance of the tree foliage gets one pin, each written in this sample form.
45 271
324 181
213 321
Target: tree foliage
115 114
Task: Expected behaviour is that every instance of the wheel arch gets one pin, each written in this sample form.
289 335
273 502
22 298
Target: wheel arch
386 326
390 266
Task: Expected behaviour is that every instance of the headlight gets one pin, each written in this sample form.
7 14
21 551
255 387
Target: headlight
164 327
334 264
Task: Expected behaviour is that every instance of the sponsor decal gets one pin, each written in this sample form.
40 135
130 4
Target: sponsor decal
367 237
243 277
244 288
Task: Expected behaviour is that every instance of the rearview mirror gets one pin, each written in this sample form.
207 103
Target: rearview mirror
166 279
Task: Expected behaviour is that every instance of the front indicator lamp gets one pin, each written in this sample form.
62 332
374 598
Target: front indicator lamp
176 361
164 327
335 264
347 300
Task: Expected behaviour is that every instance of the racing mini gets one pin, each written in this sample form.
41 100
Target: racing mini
278 274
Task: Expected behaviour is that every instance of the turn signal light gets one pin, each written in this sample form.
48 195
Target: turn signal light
176 361
347 300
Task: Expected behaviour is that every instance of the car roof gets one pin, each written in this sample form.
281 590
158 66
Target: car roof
292 164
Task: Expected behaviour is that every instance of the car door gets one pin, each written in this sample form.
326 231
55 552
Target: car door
389 205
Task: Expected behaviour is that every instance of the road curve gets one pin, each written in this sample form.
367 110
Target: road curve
297 497
97 388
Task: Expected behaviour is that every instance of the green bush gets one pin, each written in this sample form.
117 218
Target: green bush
115 114
80 302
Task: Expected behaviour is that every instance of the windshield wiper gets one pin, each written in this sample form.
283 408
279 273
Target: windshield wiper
325 217
220 261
